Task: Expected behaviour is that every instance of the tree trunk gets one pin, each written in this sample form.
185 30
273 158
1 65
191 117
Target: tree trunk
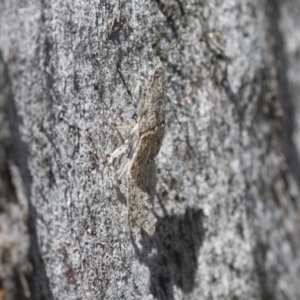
225 200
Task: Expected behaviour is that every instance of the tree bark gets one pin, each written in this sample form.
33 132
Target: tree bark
226 205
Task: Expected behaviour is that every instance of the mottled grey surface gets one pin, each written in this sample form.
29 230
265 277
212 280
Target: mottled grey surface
287 49
14 237
227 217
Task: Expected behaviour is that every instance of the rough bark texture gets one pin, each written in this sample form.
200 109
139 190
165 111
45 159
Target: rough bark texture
227 192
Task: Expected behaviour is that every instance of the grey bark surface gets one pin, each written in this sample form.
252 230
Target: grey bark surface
227 193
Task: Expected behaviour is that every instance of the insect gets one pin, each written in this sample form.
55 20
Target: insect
143 145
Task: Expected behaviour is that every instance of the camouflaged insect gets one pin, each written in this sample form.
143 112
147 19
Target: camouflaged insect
143 146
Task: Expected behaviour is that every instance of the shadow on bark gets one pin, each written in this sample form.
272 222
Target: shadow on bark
17 152
171 253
